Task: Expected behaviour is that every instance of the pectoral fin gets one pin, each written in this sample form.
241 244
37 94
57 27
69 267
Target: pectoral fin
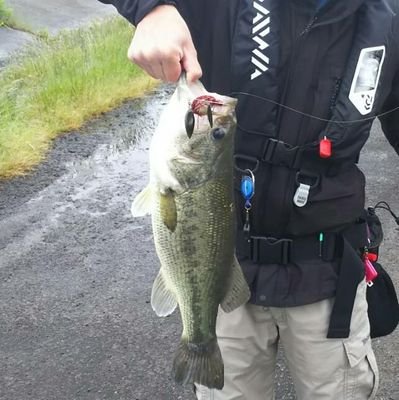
162 299
142 204
238 292
168 210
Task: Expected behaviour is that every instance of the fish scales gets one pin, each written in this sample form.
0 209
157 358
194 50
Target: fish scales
192 257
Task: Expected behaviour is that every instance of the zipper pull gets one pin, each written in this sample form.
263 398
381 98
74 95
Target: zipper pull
247 226
309 26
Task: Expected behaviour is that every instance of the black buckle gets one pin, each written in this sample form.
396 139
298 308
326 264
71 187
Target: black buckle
269 250
277 152
243 162
307 178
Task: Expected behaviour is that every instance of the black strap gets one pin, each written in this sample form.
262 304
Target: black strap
351 273
270 250
304 158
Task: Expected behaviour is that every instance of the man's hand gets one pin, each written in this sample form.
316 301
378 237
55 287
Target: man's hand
163 47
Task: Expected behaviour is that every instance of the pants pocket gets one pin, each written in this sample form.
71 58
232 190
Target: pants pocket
361 375
373 366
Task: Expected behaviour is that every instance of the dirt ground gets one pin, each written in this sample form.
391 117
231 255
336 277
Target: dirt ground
76 270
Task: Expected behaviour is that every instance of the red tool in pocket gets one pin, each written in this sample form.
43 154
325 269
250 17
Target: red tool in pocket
369 269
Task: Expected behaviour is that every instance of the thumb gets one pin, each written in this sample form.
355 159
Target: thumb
190 64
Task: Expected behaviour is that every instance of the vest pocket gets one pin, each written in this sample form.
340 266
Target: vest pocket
336 201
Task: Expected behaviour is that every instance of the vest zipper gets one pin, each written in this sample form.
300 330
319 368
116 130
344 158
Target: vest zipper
309 26
295 46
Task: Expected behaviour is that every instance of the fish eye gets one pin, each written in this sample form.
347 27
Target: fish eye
218 133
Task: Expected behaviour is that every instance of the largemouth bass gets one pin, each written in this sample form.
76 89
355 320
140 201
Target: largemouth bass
190 197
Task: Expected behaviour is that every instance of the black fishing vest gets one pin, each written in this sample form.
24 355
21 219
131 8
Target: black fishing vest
332 76
339 69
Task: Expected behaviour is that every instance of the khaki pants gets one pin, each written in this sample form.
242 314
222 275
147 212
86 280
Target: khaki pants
322 369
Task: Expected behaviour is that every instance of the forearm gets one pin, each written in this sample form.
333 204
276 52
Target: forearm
162 44
135 10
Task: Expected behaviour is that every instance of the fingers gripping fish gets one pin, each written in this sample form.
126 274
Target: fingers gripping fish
190 197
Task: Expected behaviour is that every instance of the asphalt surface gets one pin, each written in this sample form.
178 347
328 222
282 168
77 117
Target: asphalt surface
49 16
54 15
12 40
76 270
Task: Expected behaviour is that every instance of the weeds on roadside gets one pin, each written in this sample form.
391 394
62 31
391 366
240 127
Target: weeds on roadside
5 13
58 83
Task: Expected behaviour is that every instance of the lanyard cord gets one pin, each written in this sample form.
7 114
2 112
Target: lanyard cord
385 206
313 116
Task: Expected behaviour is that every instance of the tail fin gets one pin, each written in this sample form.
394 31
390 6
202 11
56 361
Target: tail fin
200 363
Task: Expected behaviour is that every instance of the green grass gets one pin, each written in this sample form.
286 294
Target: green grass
58 84
5 13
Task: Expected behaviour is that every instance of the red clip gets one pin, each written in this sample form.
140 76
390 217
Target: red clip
369 269
373 257
325 148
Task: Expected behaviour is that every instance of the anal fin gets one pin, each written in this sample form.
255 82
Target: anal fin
162 300
238 292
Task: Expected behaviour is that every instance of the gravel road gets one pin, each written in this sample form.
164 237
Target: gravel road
76 270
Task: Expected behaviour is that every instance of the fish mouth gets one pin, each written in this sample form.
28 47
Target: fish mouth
230 101
227 107
221 104
227 101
